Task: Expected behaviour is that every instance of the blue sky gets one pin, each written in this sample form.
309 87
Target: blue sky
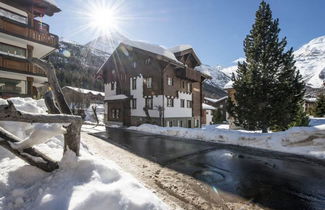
215 28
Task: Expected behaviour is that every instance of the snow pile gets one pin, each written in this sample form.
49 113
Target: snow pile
84 182
298 140
314 121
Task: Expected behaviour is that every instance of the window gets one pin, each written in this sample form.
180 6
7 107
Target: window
117 113
189 104
189 87
183 84
170 102
134 83
13 16
196 123
148 82
12 50
182 103
113 114
170 81
134 103
147 61
112 86
13 86
149 103
170 123
134 65
180 123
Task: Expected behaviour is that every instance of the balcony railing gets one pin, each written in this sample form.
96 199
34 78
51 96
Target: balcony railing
20 66
38 33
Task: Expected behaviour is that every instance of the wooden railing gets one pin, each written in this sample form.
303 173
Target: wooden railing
21 65
36 33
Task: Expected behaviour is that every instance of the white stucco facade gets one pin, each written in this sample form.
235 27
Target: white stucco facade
177 111
108 90
141 101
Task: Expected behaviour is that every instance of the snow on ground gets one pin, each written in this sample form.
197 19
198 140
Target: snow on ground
84 182
308 141
90 116
93 128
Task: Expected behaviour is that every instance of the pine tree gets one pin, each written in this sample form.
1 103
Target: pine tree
217 117
269 89
320 106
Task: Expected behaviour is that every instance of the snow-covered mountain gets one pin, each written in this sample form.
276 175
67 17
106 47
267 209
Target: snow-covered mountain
107 43
310 60
219 78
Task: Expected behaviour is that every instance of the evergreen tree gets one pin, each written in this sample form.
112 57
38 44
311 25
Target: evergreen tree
320 106
217 117
269 89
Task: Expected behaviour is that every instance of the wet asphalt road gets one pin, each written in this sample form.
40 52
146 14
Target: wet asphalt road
274 180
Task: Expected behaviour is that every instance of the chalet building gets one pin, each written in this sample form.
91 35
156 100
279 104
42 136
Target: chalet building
146 83
212 105
23 37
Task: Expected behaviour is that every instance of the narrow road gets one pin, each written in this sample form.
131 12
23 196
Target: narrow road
273 180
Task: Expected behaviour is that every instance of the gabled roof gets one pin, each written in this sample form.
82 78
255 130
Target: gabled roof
184 49
207 107
215 100
155 49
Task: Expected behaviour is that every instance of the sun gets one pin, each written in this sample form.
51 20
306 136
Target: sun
105 20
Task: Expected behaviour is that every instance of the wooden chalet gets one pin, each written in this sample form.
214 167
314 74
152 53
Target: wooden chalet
146 83
22 36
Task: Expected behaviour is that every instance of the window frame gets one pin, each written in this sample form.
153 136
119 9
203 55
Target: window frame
170 102
133 103
147 82
189 104
147 104
134 83
182 103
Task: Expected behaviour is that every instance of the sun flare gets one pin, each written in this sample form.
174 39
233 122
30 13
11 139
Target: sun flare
105 20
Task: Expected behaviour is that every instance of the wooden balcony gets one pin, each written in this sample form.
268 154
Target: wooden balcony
39 32
19 65
190 74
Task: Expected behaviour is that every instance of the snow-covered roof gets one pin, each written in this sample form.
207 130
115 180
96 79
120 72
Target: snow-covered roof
207 107
116 97
228 85
310 100
156 49
52 2
215 100
85 91
180 48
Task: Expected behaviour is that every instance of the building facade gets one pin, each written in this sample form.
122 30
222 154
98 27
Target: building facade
22 37
147 83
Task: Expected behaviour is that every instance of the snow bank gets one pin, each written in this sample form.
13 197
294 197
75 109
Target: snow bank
298 140
84 182
180 48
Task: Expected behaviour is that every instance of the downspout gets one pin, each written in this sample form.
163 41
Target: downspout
163 94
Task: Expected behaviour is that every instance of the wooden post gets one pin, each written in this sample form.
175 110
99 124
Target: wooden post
72 138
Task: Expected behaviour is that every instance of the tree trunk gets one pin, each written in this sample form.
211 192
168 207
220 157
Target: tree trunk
95 114
49 102
54 84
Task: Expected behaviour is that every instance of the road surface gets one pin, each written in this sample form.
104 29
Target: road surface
273 180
